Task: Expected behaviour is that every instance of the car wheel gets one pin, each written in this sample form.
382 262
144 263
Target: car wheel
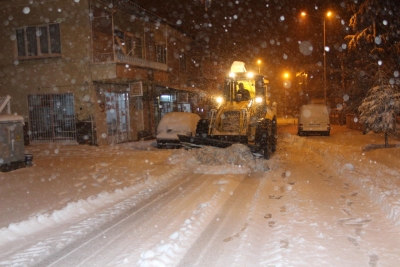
202 128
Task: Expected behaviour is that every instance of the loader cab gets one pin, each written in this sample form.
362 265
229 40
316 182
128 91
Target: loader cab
256 85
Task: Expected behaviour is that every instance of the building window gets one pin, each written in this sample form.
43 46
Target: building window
138 47
129 44
38 41
161 54
182 62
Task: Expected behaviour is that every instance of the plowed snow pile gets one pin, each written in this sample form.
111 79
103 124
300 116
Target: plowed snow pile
234 159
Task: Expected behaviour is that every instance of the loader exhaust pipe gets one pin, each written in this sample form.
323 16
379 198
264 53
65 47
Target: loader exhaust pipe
232 95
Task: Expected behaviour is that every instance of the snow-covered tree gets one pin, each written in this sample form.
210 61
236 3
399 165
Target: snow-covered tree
375 25
375 37
379 109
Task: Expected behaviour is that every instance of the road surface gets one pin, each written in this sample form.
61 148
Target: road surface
302 212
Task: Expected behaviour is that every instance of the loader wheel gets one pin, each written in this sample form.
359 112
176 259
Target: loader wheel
202 128
265 138
274 138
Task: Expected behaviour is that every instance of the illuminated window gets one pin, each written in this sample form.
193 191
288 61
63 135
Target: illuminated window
165 98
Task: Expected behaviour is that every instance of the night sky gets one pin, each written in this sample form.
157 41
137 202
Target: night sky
248 30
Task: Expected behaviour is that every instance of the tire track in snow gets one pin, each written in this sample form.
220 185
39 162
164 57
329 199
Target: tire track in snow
37 251
246 235
179 241
221 238
123 244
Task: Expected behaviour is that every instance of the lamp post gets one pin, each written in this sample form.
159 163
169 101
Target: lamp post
286 84
327 15
259 65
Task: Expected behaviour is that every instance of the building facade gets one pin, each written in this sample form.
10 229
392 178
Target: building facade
93 71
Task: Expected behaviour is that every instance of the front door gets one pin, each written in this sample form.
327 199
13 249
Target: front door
117 106
139 113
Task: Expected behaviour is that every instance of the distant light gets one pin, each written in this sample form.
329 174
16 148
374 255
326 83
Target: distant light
250 75
219 99
231 74
259 99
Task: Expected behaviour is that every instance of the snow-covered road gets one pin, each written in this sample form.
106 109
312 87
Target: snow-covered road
320 201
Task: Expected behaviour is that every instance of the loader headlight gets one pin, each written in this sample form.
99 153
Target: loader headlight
219 99
259 99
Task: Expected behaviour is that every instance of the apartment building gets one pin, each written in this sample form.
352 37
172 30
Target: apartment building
99 72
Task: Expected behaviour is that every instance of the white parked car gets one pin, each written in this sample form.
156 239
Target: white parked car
175 123
314 119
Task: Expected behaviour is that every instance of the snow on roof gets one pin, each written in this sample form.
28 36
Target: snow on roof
238 66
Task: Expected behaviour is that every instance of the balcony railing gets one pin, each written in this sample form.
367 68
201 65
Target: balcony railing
103 57
126 59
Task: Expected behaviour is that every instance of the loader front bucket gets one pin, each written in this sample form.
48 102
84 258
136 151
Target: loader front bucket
192 141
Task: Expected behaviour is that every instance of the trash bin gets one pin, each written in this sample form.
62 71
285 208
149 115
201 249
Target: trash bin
28 159
12 147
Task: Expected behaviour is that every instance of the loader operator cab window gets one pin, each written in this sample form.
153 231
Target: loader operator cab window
243 92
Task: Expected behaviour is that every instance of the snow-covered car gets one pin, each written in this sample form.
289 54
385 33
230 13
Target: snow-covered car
175 123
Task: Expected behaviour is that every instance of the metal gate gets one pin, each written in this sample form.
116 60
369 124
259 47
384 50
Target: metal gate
51 117
117 106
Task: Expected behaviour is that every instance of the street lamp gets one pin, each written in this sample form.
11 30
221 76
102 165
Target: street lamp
259 65
286 84
327 15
